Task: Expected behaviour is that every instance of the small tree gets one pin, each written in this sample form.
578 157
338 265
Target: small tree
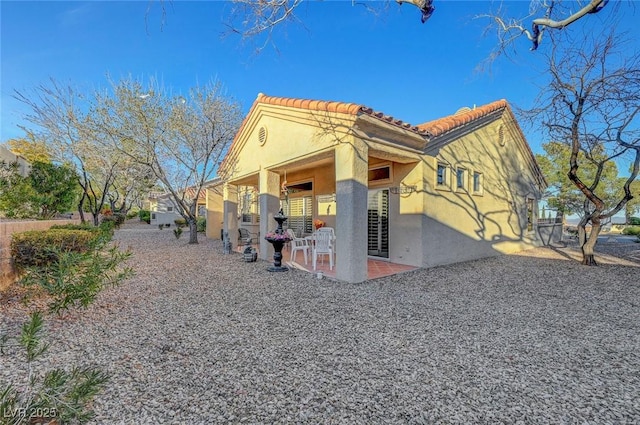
30 148
563 195
55 188
47 190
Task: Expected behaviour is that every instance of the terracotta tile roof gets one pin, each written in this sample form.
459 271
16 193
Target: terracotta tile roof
190 193
339 107
429 129
443 125
313 105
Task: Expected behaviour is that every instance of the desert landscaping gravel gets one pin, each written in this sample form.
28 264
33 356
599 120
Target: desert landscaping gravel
198 337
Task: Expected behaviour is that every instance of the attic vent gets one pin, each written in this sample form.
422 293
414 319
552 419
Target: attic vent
262 135
462 110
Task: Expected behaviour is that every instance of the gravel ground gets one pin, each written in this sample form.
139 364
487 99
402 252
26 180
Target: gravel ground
198 337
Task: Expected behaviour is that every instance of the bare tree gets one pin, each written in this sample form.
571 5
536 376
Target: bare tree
180 139
60 116
592 103
543 15
260 18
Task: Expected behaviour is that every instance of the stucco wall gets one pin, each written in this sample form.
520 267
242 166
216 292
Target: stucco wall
550 234
9 157
214 212
462 224
8 228
288 135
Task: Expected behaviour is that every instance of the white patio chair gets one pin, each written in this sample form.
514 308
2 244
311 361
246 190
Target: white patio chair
323 245
298 244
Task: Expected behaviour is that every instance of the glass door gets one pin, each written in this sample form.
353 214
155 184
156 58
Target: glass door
378 223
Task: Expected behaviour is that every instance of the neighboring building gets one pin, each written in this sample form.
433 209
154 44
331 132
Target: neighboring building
458 188
164 209
9 157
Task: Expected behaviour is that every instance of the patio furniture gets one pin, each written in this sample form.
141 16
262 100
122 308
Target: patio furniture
298 244
245 237
323 245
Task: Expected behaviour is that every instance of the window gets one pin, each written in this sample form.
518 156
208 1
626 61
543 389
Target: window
460 176
477 182
247 204
442 175
380 173
169 209
300 214
530 216
245 207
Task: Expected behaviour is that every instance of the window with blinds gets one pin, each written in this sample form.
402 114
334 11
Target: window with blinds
378 223
300 213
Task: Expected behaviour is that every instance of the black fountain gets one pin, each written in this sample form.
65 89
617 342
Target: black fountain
278 238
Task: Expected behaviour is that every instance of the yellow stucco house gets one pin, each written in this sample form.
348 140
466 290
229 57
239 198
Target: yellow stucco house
462 187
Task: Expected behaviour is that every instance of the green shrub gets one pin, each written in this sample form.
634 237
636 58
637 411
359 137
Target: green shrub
114 220
180 222
74 279
634 221
133 214
145 215
41 247
202 224
57 396
73 267
120 218
633 230
83 226
177 232
108 224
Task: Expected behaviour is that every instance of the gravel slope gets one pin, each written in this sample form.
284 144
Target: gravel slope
198 337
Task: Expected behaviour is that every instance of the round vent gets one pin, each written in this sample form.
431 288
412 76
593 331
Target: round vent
262 135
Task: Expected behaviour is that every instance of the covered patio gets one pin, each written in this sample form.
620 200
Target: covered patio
375 268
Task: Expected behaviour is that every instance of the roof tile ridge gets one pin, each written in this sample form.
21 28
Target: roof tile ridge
442 125
310 104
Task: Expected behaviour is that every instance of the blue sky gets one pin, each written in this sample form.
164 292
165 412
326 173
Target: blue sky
388 61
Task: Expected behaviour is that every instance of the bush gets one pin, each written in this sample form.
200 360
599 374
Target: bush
41 247
108 223
180 222
634 221
74 279
59 396
120 218
70 226
177 232
201 224
133 214
145 215
633 230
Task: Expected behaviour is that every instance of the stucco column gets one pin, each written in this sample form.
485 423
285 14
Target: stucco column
230 212
215 215
269 199
352 166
